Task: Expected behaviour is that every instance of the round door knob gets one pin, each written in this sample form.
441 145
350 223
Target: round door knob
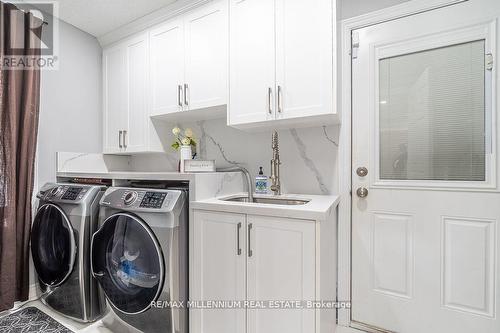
362 192
362 171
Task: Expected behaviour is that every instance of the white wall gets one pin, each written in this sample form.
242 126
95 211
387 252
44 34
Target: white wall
351 8
70 110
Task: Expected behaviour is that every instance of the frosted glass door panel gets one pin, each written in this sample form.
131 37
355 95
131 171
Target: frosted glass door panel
432 114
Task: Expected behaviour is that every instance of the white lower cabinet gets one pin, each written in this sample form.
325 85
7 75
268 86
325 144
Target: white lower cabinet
240 257
280 267
219 271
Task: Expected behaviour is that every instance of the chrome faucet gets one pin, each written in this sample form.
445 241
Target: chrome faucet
247 177
275 166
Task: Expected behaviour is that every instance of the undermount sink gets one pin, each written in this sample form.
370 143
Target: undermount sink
270 201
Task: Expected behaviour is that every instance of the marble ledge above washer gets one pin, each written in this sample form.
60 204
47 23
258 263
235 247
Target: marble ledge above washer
319 208
133 175
201 185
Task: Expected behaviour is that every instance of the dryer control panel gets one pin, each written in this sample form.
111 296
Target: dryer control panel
63 192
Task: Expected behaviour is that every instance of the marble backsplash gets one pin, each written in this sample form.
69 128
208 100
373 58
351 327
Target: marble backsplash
308 155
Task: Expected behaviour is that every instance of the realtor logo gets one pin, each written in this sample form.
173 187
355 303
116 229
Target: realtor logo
22 50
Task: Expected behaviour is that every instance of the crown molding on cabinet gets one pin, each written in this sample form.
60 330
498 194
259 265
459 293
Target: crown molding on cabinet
150 20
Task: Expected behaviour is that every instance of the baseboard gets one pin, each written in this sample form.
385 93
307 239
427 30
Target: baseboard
344 329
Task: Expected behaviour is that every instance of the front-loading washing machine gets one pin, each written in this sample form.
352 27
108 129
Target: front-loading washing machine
66 218
140 260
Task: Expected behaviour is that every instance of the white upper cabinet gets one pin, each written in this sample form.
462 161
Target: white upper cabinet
125 74
206 43
304 58
167 67
135 138
278 55
281 64
189 61
114 97
251 61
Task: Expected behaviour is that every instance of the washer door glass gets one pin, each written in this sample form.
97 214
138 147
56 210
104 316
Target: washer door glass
52 245
128 263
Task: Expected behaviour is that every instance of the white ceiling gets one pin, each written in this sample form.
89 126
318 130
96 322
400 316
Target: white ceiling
99 17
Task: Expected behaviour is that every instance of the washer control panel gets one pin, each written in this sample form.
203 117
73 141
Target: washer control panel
153 200
129 197
135 199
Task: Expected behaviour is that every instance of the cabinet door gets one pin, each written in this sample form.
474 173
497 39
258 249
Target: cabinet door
137 72
251 61
281 266
218 271
304 57
115 97
206 45
167 67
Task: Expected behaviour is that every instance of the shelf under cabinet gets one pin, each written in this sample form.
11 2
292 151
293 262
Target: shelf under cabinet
214 112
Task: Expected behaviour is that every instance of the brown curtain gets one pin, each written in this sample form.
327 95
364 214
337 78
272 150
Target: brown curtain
19 104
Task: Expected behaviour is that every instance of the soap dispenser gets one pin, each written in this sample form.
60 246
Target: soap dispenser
261 183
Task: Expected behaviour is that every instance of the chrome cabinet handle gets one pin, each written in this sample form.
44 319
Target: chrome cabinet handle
250 252
269 100
179 95
124 139
120 139
238 248
280 100
186 87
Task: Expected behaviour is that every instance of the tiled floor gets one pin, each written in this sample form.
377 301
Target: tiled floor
75 326
98 326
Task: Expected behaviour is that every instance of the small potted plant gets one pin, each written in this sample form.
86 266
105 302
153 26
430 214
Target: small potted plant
185 144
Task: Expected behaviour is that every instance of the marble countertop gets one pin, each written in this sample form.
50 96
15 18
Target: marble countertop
209 194
132 175
317 209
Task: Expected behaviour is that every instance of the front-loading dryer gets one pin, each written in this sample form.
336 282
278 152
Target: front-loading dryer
139 258
66 218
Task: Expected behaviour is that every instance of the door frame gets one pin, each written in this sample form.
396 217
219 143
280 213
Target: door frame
411 7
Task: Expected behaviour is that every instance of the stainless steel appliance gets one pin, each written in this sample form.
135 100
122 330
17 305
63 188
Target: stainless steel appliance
139 258
66 218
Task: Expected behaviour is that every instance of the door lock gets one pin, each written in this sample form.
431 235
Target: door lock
362 192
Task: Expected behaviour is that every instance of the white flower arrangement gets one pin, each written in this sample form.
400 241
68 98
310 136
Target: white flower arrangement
186 139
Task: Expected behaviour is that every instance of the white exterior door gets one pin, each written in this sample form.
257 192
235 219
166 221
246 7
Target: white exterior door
280 266
304 57
135 138
206 40
115 98
425 234
167 67
252 77
218 271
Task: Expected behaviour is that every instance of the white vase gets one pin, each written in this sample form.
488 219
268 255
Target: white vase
186 154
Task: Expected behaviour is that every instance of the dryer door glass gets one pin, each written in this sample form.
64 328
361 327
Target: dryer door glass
128 263
52 245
